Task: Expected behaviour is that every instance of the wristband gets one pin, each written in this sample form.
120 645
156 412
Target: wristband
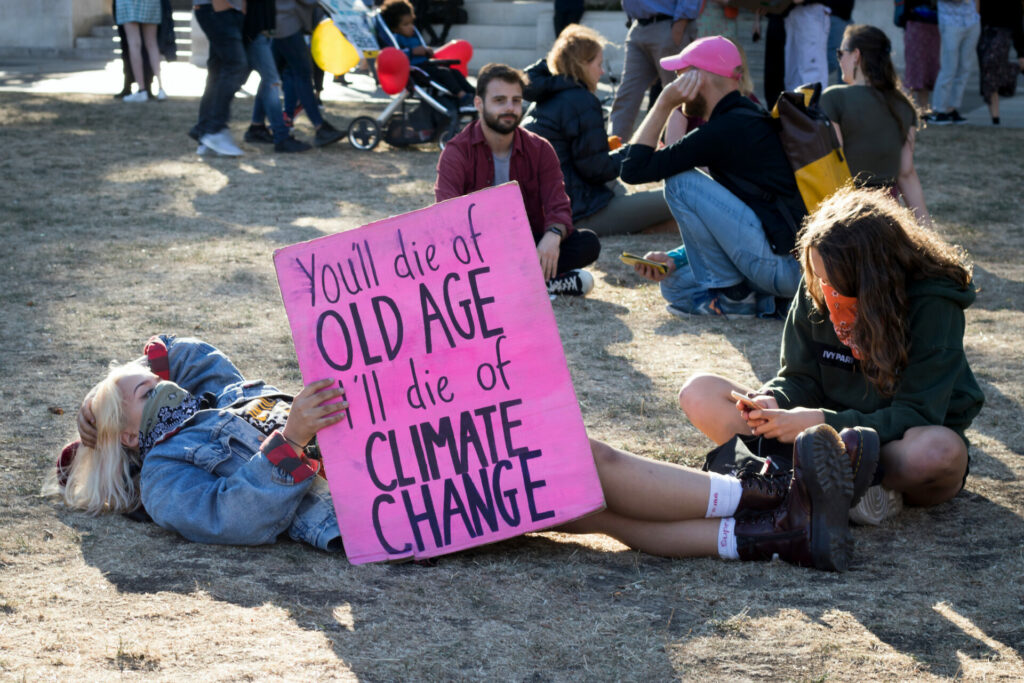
280 454
557 231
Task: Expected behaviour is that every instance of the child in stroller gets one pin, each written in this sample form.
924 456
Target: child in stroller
400 19
442 96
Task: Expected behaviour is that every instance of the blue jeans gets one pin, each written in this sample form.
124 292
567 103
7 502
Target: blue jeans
725 245
225 69
298 73
837 26
268 97
957 59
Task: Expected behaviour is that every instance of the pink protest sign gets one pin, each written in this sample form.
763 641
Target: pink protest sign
463 426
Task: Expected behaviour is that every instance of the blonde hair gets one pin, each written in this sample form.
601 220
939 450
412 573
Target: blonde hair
746 83
101 479
574 48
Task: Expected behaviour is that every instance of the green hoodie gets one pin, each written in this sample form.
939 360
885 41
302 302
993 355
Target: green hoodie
936 388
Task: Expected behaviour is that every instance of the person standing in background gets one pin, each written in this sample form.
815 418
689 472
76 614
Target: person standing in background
567 12
657 28
222 22
959 29
920 19
1002 24
140 19
842 11
807 29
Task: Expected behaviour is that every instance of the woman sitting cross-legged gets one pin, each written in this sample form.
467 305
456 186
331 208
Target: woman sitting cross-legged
568 114
874 338
220 459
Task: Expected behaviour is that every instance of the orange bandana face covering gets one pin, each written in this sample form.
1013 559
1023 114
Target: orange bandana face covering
842 310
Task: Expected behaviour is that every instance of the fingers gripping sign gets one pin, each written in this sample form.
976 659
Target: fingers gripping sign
314 409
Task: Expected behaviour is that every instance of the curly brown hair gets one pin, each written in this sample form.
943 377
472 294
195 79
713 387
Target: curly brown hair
872 249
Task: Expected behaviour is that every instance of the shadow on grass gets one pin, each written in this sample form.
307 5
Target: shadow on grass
928 596
996 293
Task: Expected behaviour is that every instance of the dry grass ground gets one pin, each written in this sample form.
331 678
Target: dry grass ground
113 230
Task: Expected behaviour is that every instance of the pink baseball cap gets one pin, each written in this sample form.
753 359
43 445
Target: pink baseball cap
715 54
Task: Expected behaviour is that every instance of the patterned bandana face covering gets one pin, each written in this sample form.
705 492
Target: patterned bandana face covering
165 411
842 311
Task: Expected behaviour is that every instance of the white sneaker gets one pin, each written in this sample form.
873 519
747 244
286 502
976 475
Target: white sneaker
221 143
161 95
576 282
878 504
140 96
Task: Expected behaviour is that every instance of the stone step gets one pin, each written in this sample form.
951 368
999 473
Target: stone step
496 37
94 42
517 57
503 14
90 54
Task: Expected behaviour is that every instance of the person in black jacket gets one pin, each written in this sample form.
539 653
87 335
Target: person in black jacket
566 112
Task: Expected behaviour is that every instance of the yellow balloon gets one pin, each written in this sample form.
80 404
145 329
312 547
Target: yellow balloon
331 51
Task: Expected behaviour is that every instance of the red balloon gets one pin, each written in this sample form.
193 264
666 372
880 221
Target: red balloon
392 70
457 49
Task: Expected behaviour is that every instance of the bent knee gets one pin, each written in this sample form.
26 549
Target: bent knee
936 458
606 458
697 390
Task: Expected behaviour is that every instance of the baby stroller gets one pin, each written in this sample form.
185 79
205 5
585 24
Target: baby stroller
421 110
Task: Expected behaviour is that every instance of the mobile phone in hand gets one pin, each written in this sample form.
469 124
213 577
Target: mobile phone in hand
745 400
633 259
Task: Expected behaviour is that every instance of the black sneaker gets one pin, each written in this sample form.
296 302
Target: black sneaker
576 282
942 119
327 134
259 133
289 145
955 117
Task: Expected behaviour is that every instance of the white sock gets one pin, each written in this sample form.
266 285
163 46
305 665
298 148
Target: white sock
727 539
724 496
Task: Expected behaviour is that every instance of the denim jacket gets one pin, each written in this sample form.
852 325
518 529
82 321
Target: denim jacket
211 483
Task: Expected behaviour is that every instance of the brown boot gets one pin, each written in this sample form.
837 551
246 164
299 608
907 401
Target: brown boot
810 528
761 493
862 445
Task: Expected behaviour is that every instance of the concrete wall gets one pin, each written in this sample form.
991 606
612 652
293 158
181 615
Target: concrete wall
48 23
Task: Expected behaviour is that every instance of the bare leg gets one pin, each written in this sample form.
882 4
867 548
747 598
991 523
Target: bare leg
153 50
649 490
689 538
653 506
706 401
131 32
993 105
927 464
924 99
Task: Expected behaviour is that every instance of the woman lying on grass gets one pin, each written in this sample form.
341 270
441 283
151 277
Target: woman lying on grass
223 460
875 338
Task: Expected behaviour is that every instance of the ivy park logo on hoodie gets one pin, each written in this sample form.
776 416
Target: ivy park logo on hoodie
837 357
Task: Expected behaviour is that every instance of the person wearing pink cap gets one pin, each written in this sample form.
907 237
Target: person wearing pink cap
739 220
